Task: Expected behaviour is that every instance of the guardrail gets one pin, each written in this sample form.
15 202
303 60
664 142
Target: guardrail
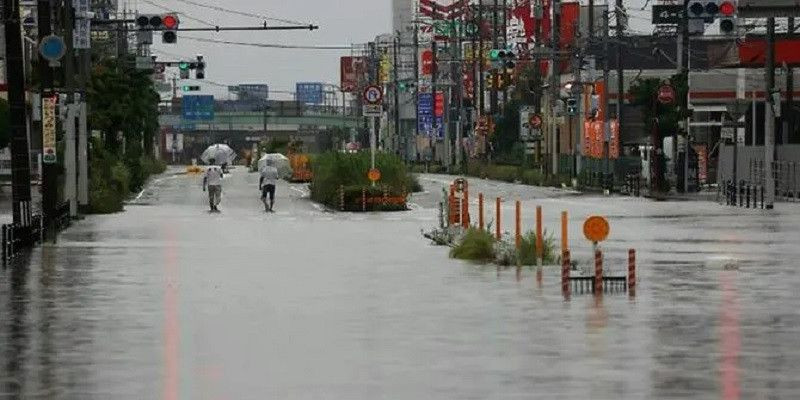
17 238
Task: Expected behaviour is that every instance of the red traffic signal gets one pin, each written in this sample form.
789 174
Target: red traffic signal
170 21
727 8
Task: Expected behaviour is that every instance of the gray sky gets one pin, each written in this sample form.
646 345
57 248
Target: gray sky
341 23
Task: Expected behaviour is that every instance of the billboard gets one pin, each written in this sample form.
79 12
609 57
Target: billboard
197 108
429 113
769 8
351 69
251 90
310 92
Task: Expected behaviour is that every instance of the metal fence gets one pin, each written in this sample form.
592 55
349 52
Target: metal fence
750 173
16 238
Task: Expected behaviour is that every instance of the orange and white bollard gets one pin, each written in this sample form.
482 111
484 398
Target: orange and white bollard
480 211
565 266
539 238
363 199
598 272
518 224
341 197
631 270
497 219
564 232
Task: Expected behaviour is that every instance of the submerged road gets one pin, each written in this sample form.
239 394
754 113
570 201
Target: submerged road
168 301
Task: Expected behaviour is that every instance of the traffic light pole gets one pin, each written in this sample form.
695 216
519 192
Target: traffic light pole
769 122
49 171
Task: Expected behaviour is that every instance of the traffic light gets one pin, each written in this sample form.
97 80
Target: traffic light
705 9
200 68
192 88
572 106
168 23
728 23
170 34
183 67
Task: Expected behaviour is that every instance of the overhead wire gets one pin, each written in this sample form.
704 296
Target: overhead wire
183 14
242 13
268 45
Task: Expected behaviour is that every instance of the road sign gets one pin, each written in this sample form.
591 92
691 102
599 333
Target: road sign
52 48
372 110
535 121
374 175
666 94
427 118
727 132
197 108
667 14
596 228
768 8
49 130
373 94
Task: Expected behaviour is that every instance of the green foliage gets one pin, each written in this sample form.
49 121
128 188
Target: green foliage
122 99
476 245
5 124
506 135
527 250
334 169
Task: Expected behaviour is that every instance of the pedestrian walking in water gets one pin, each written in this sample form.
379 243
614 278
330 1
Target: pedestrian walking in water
213 180
267 183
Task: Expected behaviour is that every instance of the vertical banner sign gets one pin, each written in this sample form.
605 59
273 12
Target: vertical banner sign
613 143
428 113
81 37
702 162
426 64
49 130
469 84
350 68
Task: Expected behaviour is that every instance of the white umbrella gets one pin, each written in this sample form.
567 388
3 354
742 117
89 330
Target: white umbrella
221 153
279 161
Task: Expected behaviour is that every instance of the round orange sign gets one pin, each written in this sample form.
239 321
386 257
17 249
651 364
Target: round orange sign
596 228
374 175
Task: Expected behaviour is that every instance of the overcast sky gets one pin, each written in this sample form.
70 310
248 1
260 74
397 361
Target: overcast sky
341 22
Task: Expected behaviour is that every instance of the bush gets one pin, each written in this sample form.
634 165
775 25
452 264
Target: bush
332 170
476 245
527 251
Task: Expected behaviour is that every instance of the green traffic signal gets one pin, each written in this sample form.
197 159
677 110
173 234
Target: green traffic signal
494 55
183 65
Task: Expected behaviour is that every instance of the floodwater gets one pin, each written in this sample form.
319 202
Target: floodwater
167 301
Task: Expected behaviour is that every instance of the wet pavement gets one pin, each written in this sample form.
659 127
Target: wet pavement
168 301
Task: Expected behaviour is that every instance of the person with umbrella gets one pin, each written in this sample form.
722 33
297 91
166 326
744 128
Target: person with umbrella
267 183
213 179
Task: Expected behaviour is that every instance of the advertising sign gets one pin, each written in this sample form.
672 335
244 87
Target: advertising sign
425 110
350 68
310 92
49 130
198 108
426 62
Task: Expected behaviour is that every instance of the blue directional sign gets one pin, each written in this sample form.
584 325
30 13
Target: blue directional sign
310 92
426 119
198 108
52 48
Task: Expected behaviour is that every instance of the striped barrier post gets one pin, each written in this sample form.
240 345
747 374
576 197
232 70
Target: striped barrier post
631 270
363 199
539 238
598 272
341 197
497 219
565 266
480 211
564 232
518 224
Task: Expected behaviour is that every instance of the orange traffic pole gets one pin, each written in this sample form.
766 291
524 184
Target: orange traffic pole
565 266
480 211
465 207
518 224
564 232
539 239
497 218
598 272
632 270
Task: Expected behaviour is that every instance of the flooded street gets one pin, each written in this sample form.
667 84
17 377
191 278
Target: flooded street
167 301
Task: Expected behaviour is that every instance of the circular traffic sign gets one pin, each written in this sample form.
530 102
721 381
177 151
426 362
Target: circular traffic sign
52 48
666 94
535 121
596 228
373 94
374 175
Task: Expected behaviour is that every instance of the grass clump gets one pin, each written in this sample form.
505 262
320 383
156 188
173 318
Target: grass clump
476 245
527 251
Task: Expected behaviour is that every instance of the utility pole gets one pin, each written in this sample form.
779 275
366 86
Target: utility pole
493 97
555 84
481 87
399 139
70 171
20 158
620 69
416 87
434 72
769 123
49 171
788 125
606 103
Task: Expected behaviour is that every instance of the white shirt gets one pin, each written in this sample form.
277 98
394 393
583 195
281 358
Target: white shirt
213 176
269 176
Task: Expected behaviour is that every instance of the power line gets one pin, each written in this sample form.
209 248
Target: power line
183 14
267 45
242 13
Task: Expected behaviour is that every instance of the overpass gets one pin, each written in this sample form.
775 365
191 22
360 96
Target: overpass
248 121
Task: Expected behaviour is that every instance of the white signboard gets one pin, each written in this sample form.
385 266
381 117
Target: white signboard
372 110
81 38
49 130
